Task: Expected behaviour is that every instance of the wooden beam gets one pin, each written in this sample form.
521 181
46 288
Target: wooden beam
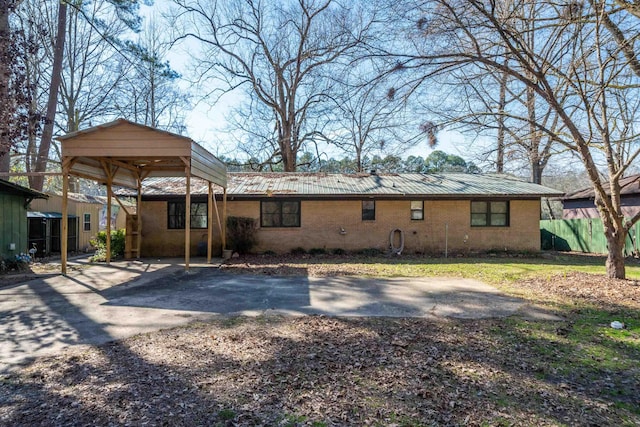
209 221
121 205
107 170
224 218
139 217
220 229
187 222
65 220
33 174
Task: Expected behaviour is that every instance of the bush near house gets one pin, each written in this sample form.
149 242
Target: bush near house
100 243
241 234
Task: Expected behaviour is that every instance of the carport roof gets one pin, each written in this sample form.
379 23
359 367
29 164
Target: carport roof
129 151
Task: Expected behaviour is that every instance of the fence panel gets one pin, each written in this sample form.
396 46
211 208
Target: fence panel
581 235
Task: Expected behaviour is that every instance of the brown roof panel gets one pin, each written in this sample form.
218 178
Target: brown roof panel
628 186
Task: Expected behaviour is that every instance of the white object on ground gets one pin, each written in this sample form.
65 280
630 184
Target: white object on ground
617 325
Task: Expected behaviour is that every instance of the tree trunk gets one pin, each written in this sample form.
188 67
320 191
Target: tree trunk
6 112
37 183
536 171
502 102
615 256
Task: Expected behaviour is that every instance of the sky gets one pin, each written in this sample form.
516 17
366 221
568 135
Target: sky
206 123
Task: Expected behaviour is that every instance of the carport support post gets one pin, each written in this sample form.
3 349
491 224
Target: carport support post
224 218
65 230
139 219
187 222
108 255
209 221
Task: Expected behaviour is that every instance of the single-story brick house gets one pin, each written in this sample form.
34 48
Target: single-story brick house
431 213
581 205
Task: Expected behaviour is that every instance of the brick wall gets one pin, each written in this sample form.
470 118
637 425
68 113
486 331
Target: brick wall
323 222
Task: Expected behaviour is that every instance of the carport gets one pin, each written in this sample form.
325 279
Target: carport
124 153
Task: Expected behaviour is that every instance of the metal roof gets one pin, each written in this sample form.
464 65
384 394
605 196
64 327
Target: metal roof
323 185
124 151
8 187
629 185
47 215
98 200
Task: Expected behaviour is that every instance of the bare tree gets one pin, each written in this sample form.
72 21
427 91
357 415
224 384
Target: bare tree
126 11
577 69
281 53
92 69
13 88
370 115
149 93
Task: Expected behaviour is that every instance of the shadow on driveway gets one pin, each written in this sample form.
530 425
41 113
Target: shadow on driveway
101 303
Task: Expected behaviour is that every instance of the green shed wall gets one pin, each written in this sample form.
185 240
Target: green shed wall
13 225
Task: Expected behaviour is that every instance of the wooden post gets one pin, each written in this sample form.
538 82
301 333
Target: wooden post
65 220
108 260
224 219
139 217
187 221
209 222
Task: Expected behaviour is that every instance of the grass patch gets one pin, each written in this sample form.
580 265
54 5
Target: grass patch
493 270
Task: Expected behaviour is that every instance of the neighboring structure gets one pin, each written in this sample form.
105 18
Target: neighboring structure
86 216
580 204
14 201
429 213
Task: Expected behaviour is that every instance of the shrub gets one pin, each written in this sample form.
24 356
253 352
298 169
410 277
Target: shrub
298 251
338 251
241 234
317 251
370 252
18 263
100 243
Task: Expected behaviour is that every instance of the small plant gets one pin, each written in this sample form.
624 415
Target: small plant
226 414
269 253
338 251
370 252
298 251
317 251
19 263
100 243
241 233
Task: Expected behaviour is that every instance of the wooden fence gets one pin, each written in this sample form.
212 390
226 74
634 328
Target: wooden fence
582 235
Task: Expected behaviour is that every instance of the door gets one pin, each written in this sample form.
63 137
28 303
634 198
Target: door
37 232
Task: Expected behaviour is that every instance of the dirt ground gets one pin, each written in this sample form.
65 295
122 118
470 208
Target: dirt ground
321 371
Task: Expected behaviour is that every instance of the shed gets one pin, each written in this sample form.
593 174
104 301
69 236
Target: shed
581 204
14 201
87 216
124 153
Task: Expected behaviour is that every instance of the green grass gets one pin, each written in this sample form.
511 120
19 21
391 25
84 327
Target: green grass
490 270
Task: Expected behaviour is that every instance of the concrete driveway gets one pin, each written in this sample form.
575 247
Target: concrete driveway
98 303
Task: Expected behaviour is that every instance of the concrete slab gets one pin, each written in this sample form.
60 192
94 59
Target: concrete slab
99 303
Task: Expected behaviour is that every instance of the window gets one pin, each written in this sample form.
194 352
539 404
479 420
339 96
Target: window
176 215
490 214
417 209
368 210
86 222
280 213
